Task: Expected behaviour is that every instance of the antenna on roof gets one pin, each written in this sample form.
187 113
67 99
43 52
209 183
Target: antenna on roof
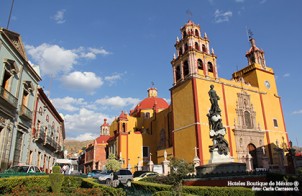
10 13
152 84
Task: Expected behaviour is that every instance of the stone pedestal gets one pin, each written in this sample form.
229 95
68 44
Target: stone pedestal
265 162
220 158
166 167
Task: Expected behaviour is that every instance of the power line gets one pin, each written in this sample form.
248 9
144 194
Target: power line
10 13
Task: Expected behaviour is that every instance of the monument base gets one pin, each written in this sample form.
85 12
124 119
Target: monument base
220 168
220 158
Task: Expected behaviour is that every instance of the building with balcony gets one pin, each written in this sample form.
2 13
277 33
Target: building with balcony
48 134
18 88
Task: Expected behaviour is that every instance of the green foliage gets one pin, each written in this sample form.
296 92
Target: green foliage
56 180
30 183
112 163
192 190
56 169
179 170
40 185
92 183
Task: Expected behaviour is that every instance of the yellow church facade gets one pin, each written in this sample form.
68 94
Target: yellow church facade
251 111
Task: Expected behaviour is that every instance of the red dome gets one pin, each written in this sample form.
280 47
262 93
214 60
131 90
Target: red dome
150 103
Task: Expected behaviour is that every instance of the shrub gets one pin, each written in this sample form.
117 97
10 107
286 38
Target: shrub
193 190
56 169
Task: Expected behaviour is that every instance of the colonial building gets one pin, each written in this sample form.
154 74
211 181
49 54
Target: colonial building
48 134
95 153
250 106
19 82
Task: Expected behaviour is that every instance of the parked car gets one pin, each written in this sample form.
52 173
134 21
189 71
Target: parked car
145 175
24 169
123 176
93 173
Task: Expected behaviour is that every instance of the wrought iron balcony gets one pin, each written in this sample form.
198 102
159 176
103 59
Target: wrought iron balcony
50 143
25 112
40 135
7 96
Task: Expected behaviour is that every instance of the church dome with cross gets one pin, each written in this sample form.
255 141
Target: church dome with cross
152 103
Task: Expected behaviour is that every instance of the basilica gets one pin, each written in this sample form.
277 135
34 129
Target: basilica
250 109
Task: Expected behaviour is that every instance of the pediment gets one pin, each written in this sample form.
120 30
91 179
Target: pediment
16 41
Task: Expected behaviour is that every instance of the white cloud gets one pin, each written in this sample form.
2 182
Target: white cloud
118 102
286 75
220 16
91 53
59 17
68 103
297 112
113 78
86 81
85 121
52 58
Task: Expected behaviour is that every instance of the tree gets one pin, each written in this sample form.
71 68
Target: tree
112 163
179 170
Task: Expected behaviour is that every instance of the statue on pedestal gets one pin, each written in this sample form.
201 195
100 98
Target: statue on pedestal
217 131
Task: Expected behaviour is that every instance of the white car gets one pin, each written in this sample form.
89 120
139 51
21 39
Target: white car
123 176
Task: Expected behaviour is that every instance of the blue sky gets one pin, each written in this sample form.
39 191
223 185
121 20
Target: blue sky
99 57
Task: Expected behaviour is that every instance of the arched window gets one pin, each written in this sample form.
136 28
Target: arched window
204 49
186 47
247 119
178 75
123 127
180 52
210 67
196 33
200 64
186 68
197 46
184 34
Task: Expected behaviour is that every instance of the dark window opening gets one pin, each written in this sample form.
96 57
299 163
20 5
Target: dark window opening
184 34
178 75
186 47
196 33
210 67
204 49
186 68
197 46
124 127
145 151
275 123
180 52
200 64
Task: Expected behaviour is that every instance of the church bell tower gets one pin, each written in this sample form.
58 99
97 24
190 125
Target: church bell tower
193 55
